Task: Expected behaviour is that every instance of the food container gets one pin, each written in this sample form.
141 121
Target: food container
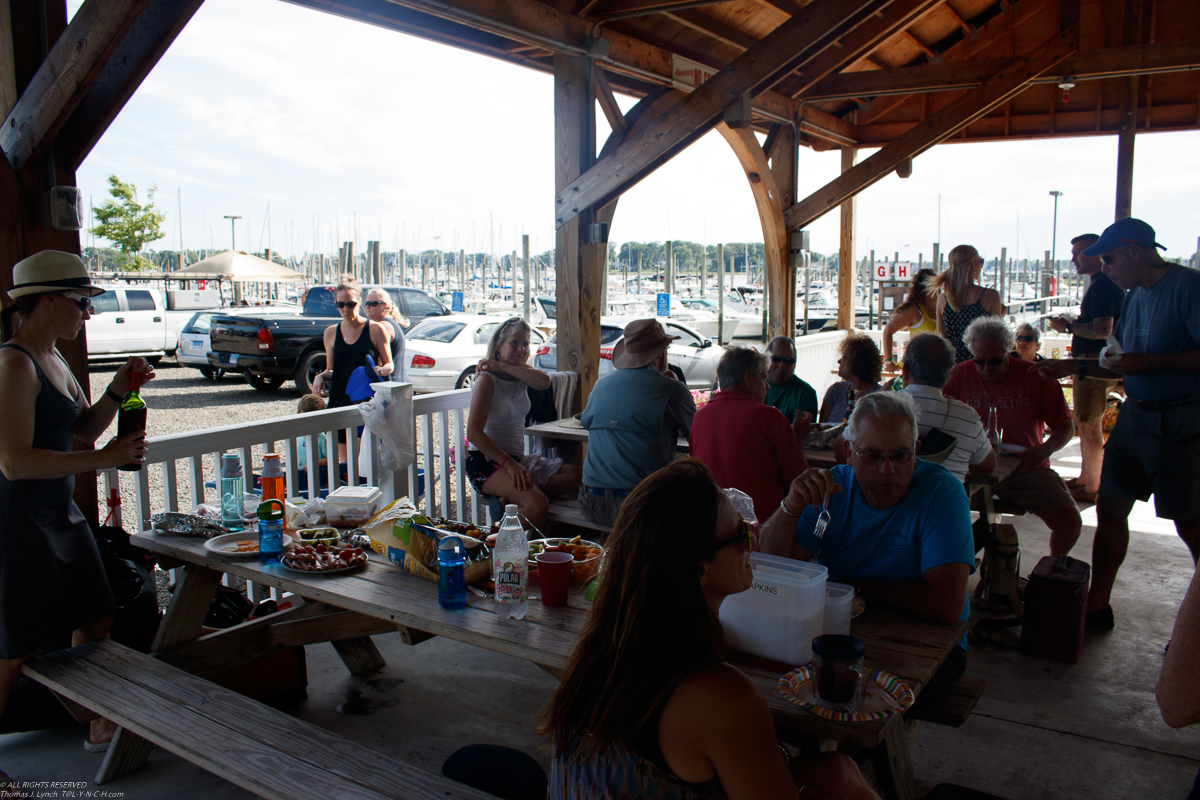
351 506
781 613
839 601
823 434
326 536
586 554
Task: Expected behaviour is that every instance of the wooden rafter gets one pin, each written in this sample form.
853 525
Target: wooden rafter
141 49
969 29
699 21
1087 64
924 48
993 92
789 45
64 76
875 29
608 103
618 8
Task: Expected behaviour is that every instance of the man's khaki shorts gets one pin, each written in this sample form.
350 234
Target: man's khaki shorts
1090 397
1035 490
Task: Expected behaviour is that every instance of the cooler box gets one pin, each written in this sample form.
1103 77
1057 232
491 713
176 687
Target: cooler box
1056 609
781 613
839 601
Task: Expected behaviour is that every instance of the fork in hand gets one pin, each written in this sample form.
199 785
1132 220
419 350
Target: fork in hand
823 518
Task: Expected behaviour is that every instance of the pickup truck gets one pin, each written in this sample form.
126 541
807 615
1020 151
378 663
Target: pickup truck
271 350
133 320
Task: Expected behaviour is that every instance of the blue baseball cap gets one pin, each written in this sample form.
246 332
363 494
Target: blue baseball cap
1124 233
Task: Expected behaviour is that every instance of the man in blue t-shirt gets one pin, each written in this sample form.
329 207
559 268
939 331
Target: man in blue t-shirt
899 529
1154 449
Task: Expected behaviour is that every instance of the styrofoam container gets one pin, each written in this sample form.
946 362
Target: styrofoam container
839 601
351 506
781 613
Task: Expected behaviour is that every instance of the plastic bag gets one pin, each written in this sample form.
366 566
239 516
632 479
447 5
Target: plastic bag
392 424
743 504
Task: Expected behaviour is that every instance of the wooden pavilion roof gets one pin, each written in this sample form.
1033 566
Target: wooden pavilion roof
872 77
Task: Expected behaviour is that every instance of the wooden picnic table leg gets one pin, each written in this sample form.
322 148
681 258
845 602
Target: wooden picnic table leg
184 618
360 655
893 763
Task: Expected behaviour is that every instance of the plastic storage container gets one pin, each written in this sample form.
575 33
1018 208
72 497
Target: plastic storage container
839 601
781 613
351 506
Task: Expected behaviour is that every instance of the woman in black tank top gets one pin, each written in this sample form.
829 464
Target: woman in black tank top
348 343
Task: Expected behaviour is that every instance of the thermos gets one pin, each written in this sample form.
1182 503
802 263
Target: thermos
452 563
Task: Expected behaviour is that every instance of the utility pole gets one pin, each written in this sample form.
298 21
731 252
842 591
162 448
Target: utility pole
1054 243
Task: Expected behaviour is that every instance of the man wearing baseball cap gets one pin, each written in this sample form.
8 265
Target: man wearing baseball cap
634 417
1154 449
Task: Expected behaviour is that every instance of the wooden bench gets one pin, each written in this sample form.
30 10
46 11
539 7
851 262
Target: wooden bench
568 512
952 708
245 742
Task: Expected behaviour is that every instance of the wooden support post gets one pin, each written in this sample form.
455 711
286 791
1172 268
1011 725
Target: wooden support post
580 260
669 268
845 318
525 272
720 265
1127 119
639 272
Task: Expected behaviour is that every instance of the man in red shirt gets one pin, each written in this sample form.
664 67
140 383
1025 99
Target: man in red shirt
747 444
1026 405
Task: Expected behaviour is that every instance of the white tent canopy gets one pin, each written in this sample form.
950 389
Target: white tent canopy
239 266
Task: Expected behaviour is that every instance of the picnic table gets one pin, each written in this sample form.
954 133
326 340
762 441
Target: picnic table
347 607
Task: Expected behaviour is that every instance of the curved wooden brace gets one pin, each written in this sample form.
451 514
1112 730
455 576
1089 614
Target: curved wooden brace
781 301
648 109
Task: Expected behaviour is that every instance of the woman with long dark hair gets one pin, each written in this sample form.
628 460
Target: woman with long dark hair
918 312
963 300
51 579
648 708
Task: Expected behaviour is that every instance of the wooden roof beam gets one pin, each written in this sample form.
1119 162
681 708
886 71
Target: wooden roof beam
624 9
157 28
970 30
794 42
1086 65
608 103
993 92
70 67
714 27
924 48
877 27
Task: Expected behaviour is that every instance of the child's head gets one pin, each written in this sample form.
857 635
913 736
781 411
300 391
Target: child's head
310 402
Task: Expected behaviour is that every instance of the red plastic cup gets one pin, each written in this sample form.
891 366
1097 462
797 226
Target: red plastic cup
554 573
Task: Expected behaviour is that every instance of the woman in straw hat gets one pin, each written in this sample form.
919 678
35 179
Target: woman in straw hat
51 580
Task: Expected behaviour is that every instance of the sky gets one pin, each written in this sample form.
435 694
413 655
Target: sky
317 130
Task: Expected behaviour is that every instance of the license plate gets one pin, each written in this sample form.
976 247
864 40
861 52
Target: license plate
227 358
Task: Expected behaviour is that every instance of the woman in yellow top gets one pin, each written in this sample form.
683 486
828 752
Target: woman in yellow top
918 312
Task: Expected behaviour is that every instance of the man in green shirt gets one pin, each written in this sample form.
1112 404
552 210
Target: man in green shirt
787 392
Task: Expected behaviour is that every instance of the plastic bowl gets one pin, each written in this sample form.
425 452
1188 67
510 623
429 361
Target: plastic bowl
586 564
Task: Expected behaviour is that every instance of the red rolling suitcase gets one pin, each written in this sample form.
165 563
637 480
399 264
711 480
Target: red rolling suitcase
1056 609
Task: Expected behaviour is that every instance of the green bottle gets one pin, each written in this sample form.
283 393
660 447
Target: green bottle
131 416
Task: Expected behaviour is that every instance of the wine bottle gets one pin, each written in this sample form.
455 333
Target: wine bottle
131 416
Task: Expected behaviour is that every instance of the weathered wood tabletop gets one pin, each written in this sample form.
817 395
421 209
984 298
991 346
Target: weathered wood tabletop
909 648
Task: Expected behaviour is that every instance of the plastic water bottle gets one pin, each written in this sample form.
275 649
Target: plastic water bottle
273 479
510 566
452 564
231 492
270 531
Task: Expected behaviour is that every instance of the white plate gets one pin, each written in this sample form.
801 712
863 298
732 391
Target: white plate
223 545
1012 448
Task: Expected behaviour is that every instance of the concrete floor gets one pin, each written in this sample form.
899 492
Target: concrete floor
1043 729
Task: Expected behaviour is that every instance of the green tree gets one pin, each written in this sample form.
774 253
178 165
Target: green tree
128 224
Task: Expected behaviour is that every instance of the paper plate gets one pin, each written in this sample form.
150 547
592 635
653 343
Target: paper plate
223 545
1012 448
857 607
796 686
570 422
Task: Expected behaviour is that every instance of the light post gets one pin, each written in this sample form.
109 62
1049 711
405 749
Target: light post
232 235
1054 243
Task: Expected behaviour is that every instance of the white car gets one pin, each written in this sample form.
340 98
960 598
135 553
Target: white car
693 357
441 352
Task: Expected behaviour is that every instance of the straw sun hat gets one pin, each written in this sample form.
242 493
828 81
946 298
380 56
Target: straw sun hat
52 271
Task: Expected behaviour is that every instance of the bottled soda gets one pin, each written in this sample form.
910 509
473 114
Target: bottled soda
993 429
231 492
131 416
272 478
510 566
270 531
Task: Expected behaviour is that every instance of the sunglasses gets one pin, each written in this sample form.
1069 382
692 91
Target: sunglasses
1108 258
991 362
782 360
873 457
745 535
373 303
1023 339
351 304
84 302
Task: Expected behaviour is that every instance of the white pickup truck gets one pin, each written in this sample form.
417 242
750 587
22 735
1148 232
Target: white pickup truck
133 320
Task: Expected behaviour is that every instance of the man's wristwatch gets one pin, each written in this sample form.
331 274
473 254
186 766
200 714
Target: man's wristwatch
1070 326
